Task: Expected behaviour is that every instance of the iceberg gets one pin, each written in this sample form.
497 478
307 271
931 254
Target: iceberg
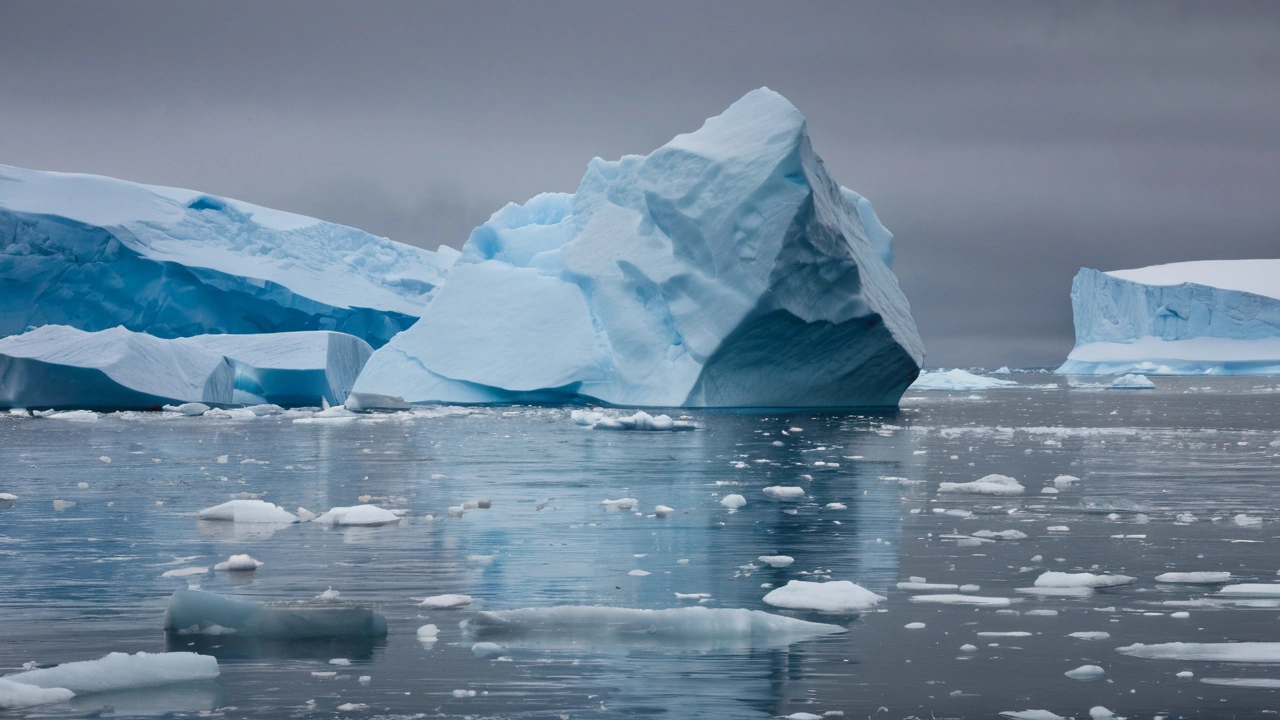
958 380
290 368
724 269
56 366
192 612
1219 317
121 671
248 511
94 252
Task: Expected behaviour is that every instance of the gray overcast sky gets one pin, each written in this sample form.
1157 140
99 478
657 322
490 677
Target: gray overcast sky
1006 144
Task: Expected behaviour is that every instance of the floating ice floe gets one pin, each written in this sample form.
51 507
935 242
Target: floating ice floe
922 586
17 695
445 602
732 501
778 561
1086 673
1244 520
1132 382
840 596
1195 578
428 633
247 511
1251 590
786 493
8 497
988 485
662 511
954 599
957 380
1031 715
364 402
572 626
1264 683
185 572
1242 652
121 671
620 504
190 409
358 515
239 563
1053 579
642 420
192 612
1001 534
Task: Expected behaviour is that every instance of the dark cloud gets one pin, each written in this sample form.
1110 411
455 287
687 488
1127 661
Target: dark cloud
1006 144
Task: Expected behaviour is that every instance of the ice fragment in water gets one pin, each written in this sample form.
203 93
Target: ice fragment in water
733 501
365 515
121 671
445 602
840 596
1085 673
247 511
1194 578
784 492
1242 652
17 695
988 485
239 563
1075 580
196 612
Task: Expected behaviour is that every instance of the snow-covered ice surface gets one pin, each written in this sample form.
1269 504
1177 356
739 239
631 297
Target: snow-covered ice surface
86 580
725 269
97 252
1192 318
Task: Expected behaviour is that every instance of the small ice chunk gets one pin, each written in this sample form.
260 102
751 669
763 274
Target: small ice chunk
1180 615
1053 579
968 648
445 602
185 572
1057 591
17 695
239 563
620 504
970 588
305 515
350 707
1132 382
1063 482
638 573
1098 712
8 497
121 671
192 409
926 586
1195 578
778 561
247 511
330 595
803 716
1244 520
840 596
663 511
361 515
733 501
948 599
1058 528
1185 674
1041 612
1004 633
364 679
1031 715
363 402
1001 534
339 661
1265 683
196 612
1048 491
485 650
784 492
914 626
1086 673
836 506
1251 590
61 505
1241 652
988 485
464 693
428 632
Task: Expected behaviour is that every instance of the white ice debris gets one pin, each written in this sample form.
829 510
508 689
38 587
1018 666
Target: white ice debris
364 515
17 695
329 595
239 563
339 661
922 586
957 380
61 505
1194 578
785 493
1132 382
1001 534
1086 673
1065 481
641 420
1098 712
248 511
8 497
428 633
1031 715
1242 652
988 485
1251 590
840 596
121 671
1244 520
732 501
445 602
185 572
1053 579
363 402
950 599
663 511
778 561
638 573
620 504
1264 683
914 626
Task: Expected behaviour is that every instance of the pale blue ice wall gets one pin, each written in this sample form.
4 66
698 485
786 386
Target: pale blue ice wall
59 271
1109 309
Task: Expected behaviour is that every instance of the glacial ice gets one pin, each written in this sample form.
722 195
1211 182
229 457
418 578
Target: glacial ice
95 252
986 485
445 602
958 380
56 366
840 596
247 511
195 612
290 368
1132 382
121 671
17 695
1195 578
367 515
725 269
1053 579
1241 652
1217 317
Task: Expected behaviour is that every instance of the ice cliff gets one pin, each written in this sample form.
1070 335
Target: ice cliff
93 252
726 268
1193 318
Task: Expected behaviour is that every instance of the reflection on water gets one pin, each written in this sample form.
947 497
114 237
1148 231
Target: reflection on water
79 583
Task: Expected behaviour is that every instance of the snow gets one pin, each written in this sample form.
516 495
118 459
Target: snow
445 602
16 695
732 501
1132 382
247 511
958 380
56 366
708 273
366 515
239 563
196 612
728 626
988 485
786 493
121 671
1053 579
291 368
840 596
1195 578
175 262
1196 318
1086 673
1244 652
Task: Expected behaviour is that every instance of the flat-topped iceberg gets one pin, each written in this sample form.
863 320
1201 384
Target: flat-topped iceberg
95 252
726 268
56 366
192 612
290 368
121 671
1218 317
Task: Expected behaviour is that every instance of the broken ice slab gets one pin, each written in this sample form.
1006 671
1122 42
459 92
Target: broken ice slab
192 612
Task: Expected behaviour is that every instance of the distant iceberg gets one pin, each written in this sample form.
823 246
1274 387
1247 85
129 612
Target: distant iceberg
1217 317
94 252
958 380
726 268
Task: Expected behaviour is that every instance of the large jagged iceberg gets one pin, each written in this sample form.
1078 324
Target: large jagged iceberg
1217 317
56 366
94 252
727 268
